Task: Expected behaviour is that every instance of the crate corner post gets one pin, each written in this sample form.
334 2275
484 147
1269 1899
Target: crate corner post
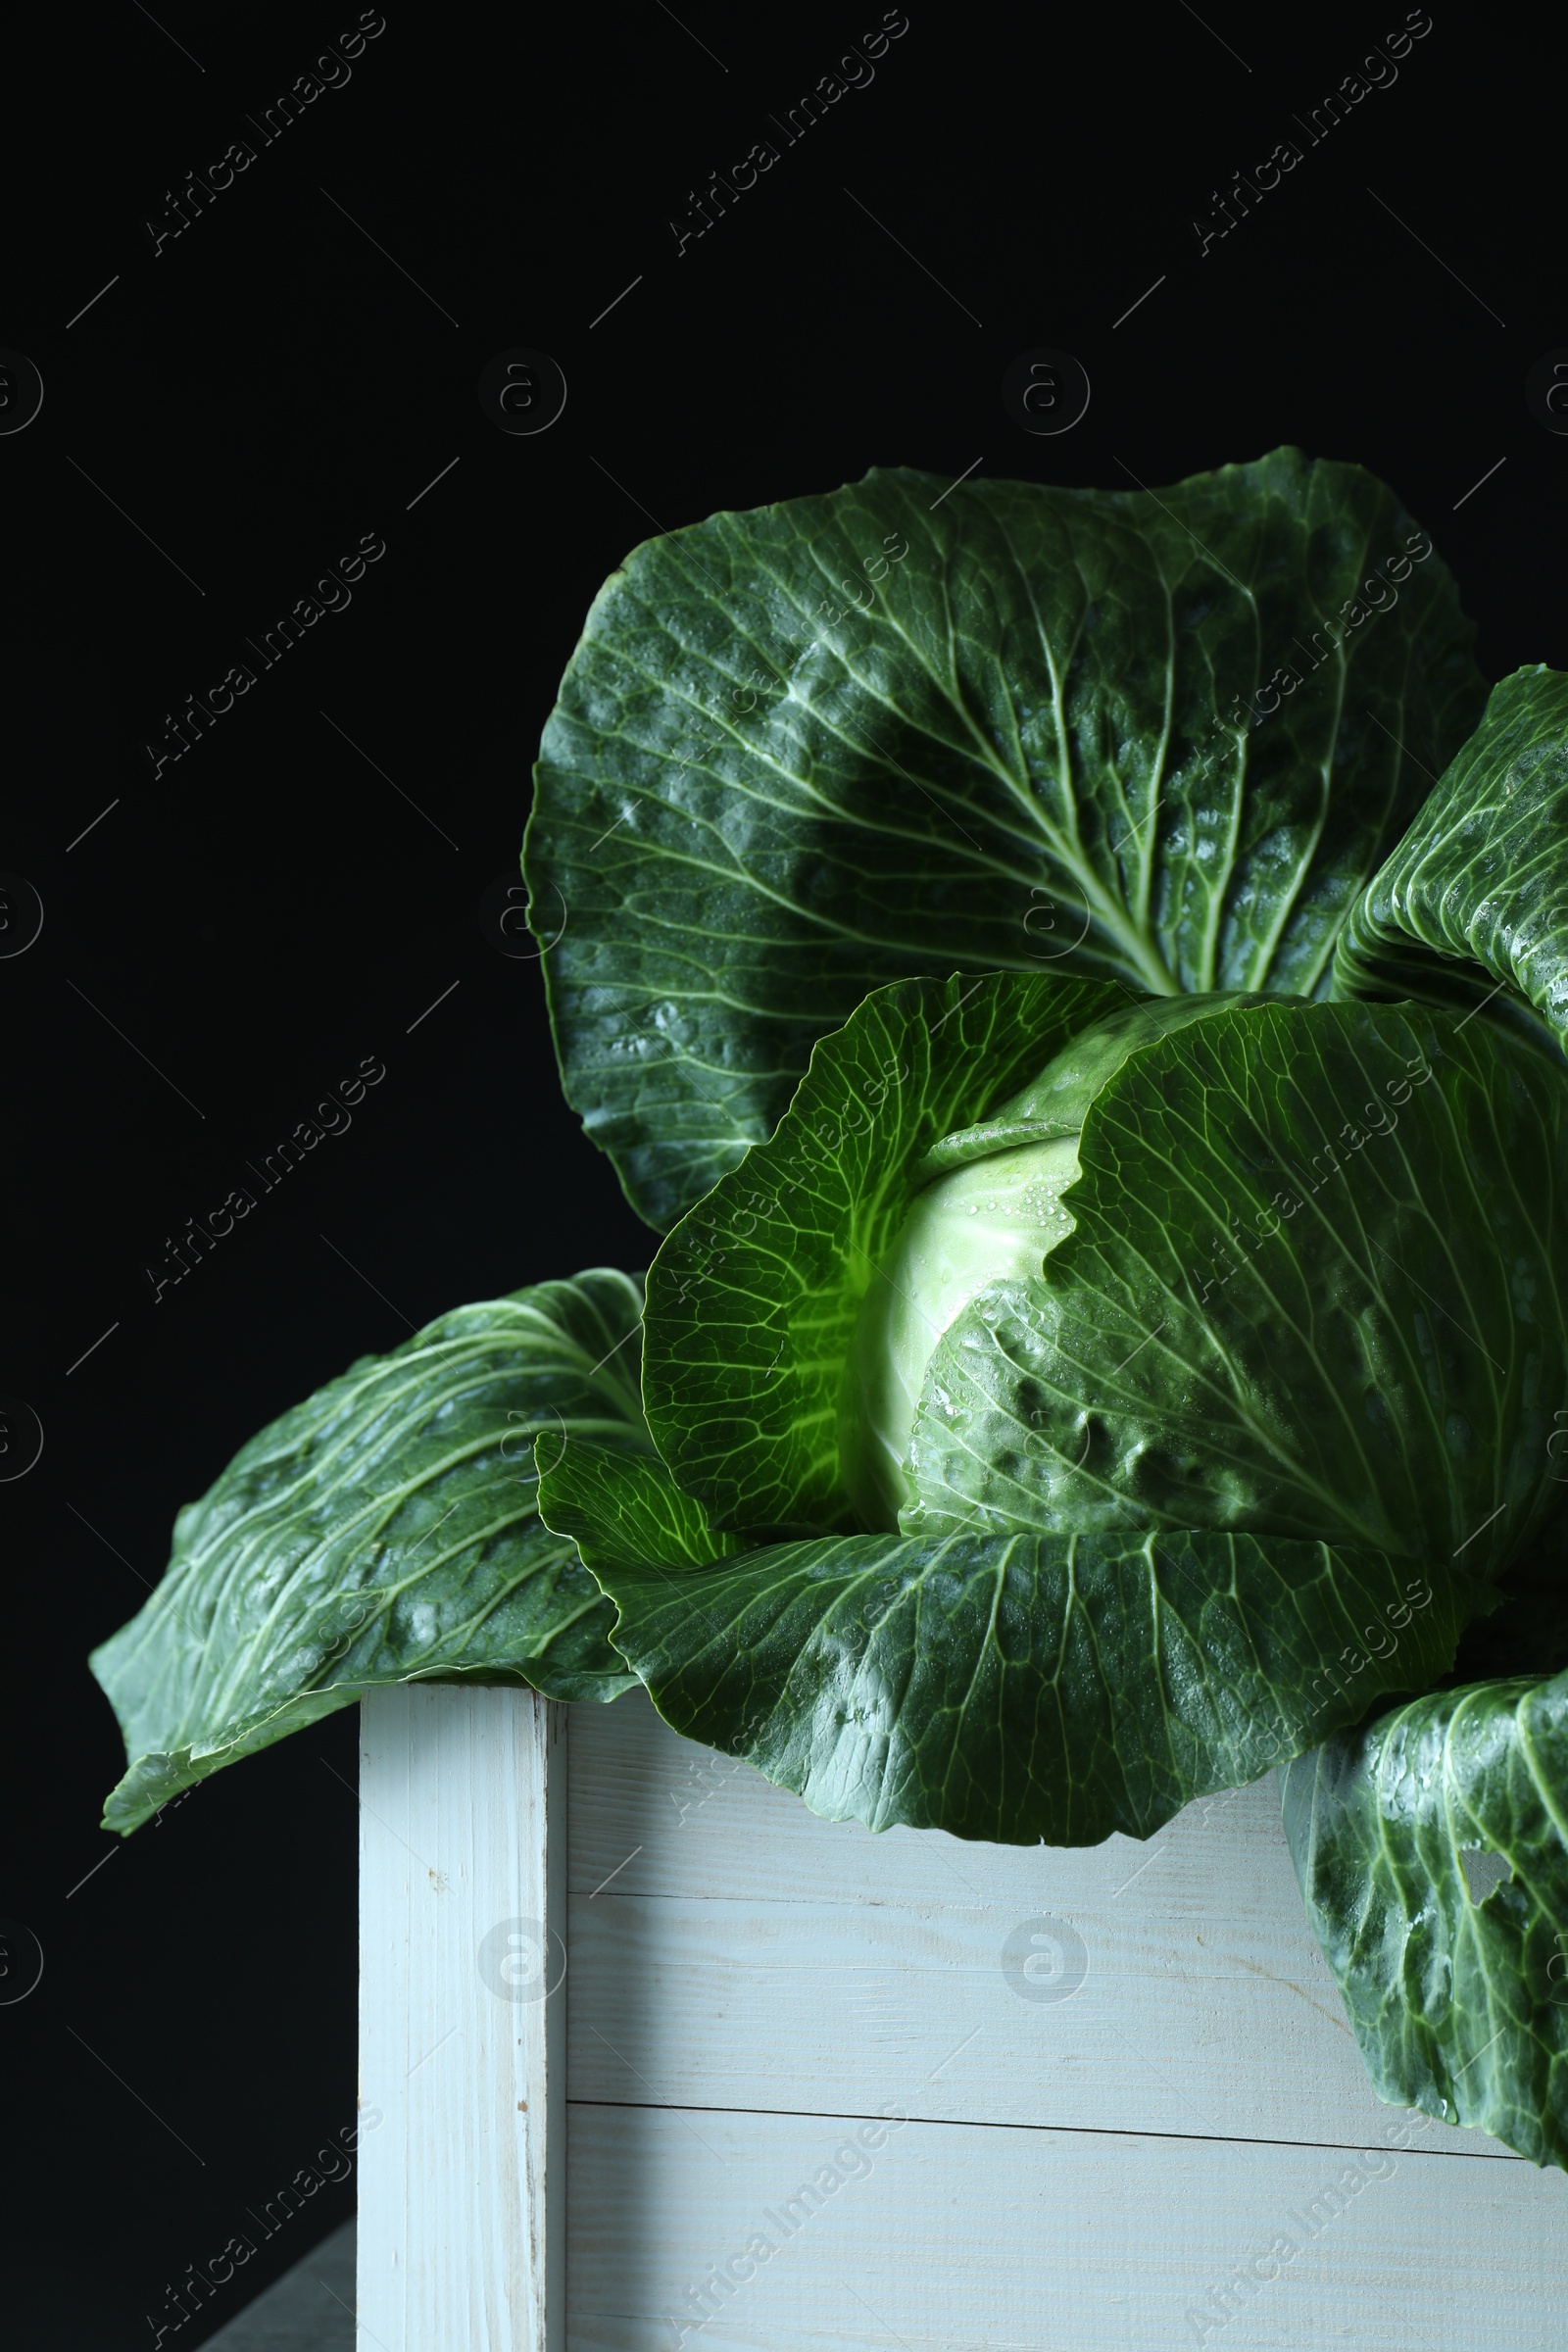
461 2193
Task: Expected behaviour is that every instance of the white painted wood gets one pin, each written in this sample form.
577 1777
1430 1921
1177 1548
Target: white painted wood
963 2240
1185 2151
462 2013
784 1962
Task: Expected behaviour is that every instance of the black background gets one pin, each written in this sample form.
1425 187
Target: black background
239 930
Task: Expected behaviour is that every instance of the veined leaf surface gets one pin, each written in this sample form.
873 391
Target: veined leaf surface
384 1529
753 1301
1432 1849
1163 736
1318 1285
1024 1687
1472 906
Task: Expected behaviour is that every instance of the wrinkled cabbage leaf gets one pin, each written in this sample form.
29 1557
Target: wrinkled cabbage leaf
1010 1689
384 1531
1162 736
1432 1849
1472 907
1318 1285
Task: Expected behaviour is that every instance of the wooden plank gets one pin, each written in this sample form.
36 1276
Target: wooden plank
461 1871
959 2238
750 1955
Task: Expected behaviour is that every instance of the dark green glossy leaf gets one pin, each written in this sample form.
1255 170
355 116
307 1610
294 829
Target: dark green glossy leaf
384 1529
1472 907
753 1301
1164 736
1318 1286
1455 1978
1033 1686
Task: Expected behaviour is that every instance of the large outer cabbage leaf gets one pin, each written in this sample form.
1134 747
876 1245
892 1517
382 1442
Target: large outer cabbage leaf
384 1529
1432 1849
1160 736
1472 907
1008 1688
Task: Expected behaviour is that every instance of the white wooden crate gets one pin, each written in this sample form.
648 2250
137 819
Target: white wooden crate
823 2088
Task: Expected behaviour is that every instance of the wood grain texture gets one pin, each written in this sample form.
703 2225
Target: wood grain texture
874 1964
964 2239
1184 2151
461 1854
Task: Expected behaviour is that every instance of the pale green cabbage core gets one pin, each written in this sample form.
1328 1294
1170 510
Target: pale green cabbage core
999 1215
